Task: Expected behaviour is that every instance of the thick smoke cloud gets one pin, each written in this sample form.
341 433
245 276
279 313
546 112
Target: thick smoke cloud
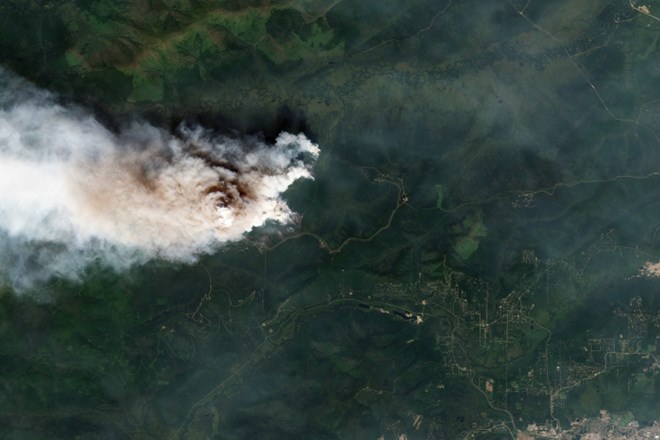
72 192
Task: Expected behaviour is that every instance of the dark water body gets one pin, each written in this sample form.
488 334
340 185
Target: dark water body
468 259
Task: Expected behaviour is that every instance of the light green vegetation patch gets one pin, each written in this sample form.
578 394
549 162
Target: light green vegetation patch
471 229
440 195
159 48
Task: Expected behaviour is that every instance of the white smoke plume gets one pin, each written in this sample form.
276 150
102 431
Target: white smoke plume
72 192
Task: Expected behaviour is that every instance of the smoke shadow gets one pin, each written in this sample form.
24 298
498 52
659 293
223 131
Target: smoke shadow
265 126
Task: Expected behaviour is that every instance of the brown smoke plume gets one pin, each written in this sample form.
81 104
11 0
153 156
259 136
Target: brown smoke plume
72 192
